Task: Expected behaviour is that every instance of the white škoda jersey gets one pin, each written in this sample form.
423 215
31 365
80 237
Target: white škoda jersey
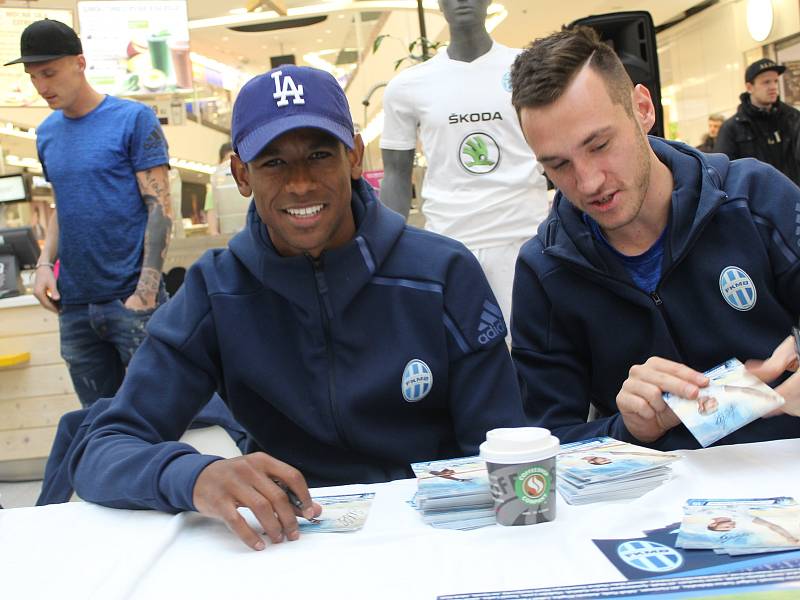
483 185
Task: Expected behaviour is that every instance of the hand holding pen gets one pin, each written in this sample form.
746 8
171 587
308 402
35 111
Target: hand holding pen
274 491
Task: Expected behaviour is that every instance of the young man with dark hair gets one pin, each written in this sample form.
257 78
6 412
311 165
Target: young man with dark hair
656 263
108 163
347 344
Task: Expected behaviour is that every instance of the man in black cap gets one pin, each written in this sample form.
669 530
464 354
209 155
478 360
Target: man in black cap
763 127
107 161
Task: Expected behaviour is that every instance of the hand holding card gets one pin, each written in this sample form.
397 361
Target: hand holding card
733 398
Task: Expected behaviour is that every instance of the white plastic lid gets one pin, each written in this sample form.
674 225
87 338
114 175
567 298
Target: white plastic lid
514 445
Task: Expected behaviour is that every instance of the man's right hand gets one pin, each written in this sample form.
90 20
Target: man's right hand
250 481
640 402
45 289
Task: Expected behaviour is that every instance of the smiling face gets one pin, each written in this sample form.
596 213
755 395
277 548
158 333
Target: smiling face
763 89
58 81
301 182
593 149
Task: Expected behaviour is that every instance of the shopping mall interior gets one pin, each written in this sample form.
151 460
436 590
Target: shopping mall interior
205 50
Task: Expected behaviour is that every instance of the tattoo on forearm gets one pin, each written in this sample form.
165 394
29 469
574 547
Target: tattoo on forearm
157 188
156 235
147 286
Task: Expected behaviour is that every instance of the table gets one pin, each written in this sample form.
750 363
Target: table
79 550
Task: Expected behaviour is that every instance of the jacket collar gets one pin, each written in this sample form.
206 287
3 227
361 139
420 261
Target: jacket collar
346 269
747 111
697 194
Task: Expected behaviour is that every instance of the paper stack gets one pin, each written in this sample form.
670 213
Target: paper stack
454 494
740 526
603 468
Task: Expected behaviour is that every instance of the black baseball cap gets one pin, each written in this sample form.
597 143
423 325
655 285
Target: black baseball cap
47 40
758 67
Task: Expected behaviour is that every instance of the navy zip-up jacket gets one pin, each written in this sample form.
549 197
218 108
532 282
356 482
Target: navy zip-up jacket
310 357
579 323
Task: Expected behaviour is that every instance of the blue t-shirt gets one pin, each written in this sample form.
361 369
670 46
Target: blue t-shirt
645 268
92 163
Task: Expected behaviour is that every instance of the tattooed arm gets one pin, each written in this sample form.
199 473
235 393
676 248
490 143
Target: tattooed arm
154 187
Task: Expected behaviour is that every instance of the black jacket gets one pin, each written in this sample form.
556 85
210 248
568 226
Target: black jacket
707 145
770 136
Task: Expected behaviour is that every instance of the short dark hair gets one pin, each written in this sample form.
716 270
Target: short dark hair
545 69
224 150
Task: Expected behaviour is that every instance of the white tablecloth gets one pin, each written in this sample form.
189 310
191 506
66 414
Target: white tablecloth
80 550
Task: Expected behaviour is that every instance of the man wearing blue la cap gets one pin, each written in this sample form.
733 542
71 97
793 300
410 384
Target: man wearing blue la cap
346 343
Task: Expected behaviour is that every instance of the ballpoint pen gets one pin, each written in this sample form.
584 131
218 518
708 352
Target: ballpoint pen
796 336
296 502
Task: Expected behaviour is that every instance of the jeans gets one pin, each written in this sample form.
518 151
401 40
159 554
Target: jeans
97 343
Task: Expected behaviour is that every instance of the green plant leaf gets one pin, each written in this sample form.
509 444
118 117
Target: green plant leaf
378 41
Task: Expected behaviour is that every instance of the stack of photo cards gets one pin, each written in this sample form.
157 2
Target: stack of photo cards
740 526
454 493
600 469
339 514
733 398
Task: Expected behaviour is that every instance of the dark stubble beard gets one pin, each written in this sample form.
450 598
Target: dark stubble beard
641 183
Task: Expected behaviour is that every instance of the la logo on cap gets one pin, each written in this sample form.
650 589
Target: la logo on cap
285 89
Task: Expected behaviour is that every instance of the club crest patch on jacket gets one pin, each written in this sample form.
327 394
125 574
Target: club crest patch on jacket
417 380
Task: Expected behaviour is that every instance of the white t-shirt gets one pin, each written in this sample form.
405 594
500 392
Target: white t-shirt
483 185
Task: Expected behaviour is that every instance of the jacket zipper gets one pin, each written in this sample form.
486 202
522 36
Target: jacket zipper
326 312
654 296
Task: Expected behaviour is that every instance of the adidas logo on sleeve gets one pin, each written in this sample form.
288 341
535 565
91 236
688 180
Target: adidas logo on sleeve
491 323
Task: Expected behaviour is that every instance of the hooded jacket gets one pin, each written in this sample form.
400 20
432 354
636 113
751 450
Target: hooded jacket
579 323
771 136
385 351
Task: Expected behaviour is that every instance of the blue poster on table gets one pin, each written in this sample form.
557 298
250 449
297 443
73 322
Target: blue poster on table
655 555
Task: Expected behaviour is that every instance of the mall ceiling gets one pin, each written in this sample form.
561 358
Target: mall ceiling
339 30
251 51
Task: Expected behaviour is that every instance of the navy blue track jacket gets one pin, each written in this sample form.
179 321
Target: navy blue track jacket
579 323
310 357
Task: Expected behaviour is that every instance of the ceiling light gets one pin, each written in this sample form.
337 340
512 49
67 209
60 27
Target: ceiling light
759 19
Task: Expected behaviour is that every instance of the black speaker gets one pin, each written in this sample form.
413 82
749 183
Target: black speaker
282 59
632 35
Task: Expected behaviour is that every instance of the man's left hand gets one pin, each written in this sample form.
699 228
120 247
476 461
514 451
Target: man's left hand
136 303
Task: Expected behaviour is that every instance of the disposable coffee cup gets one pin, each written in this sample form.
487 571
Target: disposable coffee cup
521 463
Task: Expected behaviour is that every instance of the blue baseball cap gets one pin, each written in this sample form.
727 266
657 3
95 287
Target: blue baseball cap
286 98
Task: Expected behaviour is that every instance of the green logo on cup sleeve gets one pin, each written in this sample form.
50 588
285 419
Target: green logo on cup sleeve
532 485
